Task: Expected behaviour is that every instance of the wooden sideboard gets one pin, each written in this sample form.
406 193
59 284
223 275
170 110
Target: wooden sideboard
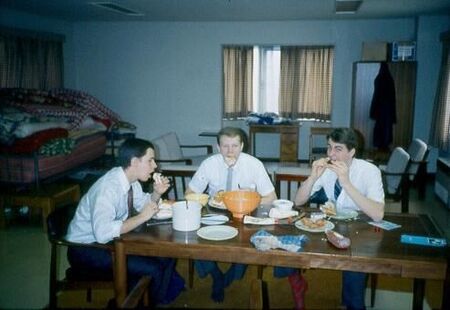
288 139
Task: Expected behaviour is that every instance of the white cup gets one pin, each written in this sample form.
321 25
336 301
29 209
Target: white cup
283 205
186 217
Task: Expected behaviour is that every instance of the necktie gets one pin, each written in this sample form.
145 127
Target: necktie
229 178
337 189
130 202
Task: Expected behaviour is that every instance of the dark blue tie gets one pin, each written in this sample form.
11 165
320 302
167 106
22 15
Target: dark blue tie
337 189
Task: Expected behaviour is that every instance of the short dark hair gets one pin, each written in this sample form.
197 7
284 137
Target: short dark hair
345 136
130 148
232 132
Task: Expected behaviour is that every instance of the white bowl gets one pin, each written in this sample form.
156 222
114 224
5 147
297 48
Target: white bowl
283 204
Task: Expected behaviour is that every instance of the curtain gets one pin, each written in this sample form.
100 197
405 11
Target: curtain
440 124
306 76
237 75
30 61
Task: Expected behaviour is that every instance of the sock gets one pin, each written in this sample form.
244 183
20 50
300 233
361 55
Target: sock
218 293
299 287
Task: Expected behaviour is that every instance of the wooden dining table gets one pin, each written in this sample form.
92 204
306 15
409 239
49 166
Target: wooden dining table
372 250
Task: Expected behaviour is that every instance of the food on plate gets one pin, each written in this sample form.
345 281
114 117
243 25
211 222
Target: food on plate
328 208
337 239
218 197
308 222
166 204
157 177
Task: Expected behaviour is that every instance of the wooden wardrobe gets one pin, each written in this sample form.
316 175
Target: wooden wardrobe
404 75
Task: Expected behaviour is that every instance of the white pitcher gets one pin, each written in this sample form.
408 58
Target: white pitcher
186 216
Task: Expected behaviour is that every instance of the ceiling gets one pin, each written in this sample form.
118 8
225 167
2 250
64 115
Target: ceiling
224 10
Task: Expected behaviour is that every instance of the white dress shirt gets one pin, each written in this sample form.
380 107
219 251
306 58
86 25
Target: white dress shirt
365 176
248 172
104 208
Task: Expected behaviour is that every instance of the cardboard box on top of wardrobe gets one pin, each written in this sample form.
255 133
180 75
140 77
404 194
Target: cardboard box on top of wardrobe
374 51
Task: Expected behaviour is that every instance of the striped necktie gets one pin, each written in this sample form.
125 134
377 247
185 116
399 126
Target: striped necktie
229 179
337 189
130 202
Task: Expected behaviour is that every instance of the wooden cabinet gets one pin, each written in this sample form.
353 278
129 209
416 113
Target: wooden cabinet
404 75
288 140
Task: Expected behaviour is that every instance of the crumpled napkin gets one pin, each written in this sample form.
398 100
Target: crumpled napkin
264 241
278 214
258 220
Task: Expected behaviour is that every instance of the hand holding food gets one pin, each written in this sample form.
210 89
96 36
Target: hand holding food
157 178
161 183
230 161
328 208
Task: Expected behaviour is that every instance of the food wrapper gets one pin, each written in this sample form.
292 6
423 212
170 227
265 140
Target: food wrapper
277 214
264 241
337 239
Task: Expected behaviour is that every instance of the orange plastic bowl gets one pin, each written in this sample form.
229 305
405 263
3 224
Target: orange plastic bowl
240 203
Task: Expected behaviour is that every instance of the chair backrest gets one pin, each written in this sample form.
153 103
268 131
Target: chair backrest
179 176
58 221
287 183
396 167
418 151
168 147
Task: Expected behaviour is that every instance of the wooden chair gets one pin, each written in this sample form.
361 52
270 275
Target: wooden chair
138 294
418 152
169 150
396 177
289 179
75 279
179 176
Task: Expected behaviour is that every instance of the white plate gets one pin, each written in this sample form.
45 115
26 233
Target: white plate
217 232
345 215
217 205
216 219
328 225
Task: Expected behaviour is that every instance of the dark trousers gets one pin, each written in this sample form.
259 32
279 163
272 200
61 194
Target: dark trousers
166 283
354 289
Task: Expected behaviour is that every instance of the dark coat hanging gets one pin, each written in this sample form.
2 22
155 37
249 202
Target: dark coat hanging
382 109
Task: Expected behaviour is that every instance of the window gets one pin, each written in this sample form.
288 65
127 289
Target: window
292 81
31 60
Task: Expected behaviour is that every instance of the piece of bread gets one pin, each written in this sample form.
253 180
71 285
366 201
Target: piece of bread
306 221
328 208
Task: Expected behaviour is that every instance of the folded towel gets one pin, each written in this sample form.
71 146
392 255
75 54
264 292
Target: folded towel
264 241
278 214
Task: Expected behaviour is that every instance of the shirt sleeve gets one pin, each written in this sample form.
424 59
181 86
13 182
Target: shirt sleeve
374 185
264 185
140 198
105 223
199 181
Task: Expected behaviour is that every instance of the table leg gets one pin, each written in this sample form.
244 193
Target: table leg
418 293
120 273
